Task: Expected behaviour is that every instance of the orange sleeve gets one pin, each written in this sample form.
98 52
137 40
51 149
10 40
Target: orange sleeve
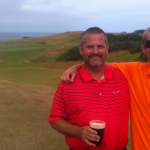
127 68
122 67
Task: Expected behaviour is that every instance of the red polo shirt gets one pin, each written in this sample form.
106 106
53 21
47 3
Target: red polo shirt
86 99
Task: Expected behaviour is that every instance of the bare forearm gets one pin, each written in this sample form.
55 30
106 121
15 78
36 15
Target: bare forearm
78 66
67 128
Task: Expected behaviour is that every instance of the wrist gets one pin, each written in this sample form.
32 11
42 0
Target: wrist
79 131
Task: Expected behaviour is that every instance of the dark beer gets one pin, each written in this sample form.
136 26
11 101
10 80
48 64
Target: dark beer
99 127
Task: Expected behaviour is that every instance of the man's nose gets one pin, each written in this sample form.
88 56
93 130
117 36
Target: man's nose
95 50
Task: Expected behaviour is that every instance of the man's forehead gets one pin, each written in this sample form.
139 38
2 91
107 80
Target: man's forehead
94 36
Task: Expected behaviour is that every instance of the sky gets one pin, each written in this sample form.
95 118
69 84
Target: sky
59 16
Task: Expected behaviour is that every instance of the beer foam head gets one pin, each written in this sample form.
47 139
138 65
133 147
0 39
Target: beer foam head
96 124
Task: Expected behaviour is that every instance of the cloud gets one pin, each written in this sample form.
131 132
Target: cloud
65 15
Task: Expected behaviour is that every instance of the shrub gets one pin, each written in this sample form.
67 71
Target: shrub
135 47
124 37
132 46
70 55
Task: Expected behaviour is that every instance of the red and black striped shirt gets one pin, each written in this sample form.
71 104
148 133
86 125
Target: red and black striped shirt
86 99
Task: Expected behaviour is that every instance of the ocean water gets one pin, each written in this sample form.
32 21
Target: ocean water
12 35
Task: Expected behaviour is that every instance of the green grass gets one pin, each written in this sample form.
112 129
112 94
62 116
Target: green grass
46 74
39 76
123 56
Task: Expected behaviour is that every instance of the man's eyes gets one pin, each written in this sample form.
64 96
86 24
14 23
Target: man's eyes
90 47
99 46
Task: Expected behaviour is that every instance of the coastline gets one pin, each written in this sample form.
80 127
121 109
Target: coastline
18 35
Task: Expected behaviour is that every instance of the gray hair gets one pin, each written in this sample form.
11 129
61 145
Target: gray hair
93 30
145 34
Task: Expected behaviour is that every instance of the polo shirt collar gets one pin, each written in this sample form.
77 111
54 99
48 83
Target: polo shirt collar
86 77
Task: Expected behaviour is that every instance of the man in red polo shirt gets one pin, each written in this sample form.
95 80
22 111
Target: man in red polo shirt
99 92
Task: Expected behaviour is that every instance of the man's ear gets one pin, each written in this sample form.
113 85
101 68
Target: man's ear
80 48
143 48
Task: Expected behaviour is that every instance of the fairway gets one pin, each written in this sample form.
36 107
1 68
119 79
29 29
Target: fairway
27 90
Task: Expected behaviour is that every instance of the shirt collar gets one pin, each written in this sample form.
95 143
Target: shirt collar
86 77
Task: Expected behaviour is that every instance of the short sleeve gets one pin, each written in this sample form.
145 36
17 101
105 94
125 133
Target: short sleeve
128 69
58 106
123 67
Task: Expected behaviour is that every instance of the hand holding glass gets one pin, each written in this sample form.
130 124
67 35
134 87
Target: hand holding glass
99 127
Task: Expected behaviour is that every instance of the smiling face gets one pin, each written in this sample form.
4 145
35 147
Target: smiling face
144 48
94 49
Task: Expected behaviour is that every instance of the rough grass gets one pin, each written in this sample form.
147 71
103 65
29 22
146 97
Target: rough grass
24 111
122 56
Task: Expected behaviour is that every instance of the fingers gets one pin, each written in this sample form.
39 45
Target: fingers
92 135
66 77
89 143
89 135
73 77
69 75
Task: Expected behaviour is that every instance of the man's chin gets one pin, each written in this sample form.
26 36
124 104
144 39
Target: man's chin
95 64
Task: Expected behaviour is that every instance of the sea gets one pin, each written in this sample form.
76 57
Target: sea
18 35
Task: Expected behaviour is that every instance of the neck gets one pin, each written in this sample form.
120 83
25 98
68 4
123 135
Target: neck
96 72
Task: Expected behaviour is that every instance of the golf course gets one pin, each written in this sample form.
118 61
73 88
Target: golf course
27 89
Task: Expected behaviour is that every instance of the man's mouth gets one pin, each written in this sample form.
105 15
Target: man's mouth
95 56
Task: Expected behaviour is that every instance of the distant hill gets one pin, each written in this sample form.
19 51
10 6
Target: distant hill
48 48
141 31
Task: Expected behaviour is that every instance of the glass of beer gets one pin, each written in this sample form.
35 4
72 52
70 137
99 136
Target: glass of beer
99 127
